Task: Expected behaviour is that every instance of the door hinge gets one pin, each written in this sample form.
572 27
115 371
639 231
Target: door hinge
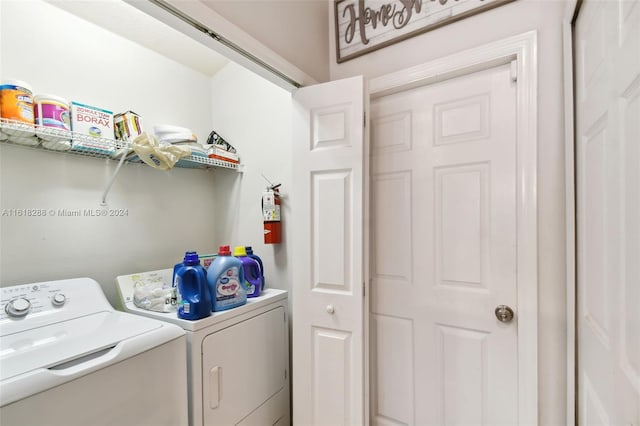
514 71
364 119
364 289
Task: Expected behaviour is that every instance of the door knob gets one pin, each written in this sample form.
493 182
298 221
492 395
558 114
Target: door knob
504 313
330 309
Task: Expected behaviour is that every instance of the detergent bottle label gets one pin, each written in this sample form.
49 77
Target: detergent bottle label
176 286
250 287
228 287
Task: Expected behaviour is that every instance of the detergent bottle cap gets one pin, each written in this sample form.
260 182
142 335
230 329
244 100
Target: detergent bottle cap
249 249
239 251
191 257
224 251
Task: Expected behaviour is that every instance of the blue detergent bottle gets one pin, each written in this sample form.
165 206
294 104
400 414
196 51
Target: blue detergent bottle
194 299
225 278
254 256
252 281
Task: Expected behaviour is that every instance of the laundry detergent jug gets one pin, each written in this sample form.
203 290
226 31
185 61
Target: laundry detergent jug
252 275
225 278
194 298
252 255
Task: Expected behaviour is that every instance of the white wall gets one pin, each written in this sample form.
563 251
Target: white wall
61 54
167 212
253 115
513 18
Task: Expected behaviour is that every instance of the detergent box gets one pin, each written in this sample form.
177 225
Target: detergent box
92 128
128 125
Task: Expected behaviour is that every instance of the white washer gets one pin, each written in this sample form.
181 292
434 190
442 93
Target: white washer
67 357
237 360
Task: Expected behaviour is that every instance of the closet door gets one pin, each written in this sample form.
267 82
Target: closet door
329 357
444 218
607 43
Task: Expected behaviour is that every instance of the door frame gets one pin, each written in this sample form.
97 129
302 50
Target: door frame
523 49
570 13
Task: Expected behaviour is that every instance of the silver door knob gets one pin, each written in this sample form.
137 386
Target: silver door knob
330 309
504 313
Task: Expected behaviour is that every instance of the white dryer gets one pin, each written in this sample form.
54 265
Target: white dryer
67 357
237 360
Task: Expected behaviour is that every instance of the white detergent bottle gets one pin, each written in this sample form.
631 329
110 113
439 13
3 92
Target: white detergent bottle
225 278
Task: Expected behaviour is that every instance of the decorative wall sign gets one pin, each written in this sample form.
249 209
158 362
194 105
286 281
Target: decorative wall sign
366 25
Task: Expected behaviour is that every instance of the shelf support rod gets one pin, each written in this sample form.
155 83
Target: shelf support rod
125 152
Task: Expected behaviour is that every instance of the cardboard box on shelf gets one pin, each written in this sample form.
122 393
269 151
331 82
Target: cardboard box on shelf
127 125
218 153
92 123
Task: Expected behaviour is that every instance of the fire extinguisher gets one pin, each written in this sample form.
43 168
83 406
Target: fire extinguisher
271 215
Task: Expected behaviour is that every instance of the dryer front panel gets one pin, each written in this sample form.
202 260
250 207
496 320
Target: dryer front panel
244 366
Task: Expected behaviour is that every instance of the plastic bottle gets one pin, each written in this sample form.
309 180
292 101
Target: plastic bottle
252 280
225 278
252 255
194 300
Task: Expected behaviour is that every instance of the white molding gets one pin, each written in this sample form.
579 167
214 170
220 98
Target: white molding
367 231
570 262
522 48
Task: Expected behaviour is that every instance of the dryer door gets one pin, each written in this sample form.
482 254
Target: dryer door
244 366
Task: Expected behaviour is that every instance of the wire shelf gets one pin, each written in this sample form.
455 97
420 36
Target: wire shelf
39 137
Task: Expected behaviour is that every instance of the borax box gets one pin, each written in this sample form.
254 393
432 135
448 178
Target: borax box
97 123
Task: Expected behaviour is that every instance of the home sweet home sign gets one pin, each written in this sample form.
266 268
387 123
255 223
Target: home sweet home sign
365 25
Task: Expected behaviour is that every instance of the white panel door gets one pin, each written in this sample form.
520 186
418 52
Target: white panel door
607 76
443 166
328 275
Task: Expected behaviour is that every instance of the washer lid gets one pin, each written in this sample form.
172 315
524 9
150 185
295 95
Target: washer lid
61 343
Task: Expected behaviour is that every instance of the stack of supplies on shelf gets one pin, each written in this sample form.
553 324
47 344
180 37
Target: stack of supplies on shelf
220 149
180 137
52 122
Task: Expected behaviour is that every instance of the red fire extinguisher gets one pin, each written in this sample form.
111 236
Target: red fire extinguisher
271 215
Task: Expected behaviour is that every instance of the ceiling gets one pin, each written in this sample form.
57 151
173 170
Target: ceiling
125 20
297 30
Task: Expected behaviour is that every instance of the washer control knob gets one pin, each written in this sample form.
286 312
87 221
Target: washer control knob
58 299
18 307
